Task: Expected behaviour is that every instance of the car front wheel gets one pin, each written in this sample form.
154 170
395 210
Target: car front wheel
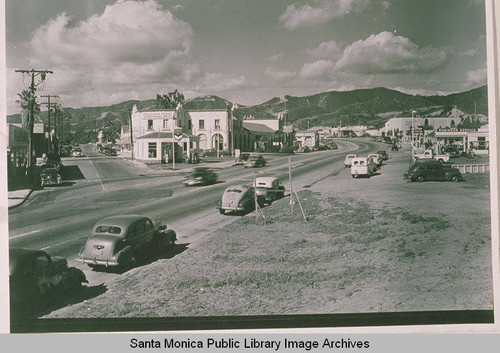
420 178
455 178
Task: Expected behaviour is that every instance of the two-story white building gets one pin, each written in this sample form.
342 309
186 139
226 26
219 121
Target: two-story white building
156 133
213 128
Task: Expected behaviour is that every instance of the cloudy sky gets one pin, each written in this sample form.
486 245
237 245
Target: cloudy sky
248 51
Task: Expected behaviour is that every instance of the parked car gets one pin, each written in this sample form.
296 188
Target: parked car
239 199
432 171
384 154
77 152
121 240
255 161
242 158
201 176
37 279
49 165
429 154
377 159
50 176
55 160
362 166
108 151
269 188
452 150
348 159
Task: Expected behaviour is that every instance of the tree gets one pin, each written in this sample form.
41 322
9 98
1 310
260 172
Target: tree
25 100
110 128
170 100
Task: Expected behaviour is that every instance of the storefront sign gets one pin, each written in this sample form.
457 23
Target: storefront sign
159 115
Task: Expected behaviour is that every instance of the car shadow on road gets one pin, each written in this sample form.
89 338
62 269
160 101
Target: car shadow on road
67 183
56 303
168 253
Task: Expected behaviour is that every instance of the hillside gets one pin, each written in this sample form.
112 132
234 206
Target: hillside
363 106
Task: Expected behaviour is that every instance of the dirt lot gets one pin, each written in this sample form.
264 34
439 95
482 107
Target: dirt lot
370 245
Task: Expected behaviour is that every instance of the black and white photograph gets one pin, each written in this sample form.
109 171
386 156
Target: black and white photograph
237 164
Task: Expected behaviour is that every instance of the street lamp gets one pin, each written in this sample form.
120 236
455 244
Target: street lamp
412 136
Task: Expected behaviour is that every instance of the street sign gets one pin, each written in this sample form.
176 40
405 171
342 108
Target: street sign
178 133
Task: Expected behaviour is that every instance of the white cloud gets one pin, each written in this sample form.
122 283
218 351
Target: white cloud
115 51
319 12
386 53
279 75
326 50
318 70
276 57
476 77
216 82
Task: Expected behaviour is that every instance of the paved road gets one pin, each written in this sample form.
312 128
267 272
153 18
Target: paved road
59 219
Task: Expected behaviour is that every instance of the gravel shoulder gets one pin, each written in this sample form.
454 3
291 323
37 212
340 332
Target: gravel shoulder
379 244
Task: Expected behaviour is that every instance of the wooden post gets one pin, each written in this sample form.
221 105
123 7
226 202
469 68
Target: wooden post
290 183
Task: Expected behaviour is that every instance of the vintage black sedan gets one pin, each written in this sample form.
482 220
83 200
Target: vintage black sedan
432 171
50 176
119 241
201 176
37 279
255 161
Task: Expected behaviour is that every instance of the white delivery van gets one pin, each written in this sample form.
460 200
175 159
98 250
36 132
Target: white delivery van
362 166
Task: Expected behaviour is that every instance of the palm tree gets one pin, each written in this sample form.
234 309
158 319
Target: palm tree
25 101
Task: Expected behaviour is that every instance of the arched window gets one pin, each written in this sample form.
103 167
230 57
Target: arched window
218 139
203 142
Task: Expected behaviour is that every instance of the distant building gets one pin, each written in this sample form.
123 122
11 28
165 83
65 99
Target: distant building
476 139
401 127
307 139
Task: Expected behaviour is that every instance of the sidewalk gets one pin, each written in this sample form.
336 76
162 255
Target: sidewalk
180 167
18 197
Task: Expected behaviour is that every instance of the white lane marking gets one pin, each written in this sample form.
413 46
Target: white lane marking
57 244
25 234
98 178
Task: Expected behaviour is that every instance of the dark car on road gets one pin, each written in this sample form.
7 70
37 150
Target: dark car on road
255 161
121 240
50 176
432 171
384 154
37 279
243 157
201 176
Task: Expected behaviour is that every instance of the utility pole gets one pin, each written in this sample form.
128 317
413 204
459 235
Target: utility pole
31 117
49 108
57 132
132 139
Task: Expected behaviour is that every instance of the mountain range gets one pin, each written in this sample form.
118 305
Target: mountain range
372 107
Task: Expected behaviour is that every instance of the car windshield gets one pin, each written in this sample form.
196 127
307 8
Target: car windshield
108 229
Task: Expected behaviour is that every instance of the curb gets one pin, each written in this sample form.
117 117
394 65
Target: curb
22 202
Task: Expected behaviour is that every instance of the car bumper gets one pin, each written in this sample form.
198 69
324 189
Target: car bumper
237 208
96 262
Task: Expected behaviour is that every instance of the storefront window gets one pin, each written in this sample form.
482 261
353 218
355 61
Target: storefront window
150 124
152 150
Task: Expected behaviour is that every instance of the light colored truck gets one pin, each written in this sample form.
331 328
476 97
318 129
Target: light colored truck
362 166
428 154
